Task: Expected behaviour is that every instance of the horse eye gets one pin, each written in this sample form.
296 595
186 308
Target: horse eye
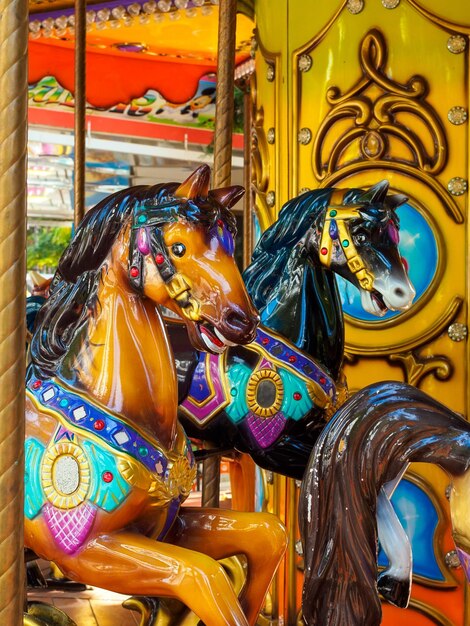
178 249
360 238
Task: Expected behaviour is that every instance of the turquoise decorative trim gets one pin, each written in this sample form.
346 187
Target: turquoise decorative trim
34 498
293 385
108 487
238 377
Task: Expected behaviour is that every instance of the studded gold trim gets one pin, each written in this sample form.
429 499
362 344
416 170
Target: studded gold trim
53 494
255 380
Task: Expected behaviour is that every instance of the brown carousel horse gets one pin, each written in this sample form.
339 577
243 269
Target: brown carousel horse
107 463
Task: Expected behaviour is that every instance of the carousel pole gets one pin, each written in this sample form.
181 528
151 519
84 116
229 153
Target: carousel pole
247 207
224 106
13 133
80 111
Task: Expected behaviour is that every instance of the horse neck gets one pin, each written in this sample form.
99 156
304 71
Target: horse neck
305 308
122 359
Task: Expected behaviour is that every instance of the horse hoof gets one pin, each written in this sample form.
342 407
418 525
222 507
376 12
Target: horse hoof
395 591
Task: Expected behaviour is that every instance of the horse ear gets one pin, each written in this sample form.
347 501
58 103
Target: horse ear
227 196
196 185
396 200
376 194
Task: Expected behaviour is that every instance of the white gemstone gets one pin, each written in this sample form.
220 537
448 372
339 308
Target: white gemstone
66 474
79 413
121 437
48 394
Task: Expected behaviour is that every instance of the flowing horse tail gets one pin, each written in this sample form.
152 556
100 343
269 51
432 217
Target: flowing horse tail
367 443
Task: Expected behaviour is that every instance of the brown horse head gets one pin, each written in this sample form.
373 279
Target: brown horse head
182 258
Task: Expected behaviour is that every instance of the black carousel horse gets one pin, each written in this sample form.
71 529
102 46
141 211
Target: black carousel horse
369 441
273 398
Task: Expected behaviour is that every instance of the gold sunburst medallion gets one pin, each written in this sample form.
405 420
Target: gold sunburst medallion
264 393
65 475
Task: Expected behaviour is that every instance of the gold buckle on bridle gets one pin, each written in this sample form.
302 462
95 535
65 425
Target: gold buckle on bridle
354 260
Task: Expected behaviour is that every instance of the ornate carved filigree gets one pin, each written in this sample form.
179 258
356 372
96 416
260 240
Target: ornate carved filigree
259 161
417 367
377 107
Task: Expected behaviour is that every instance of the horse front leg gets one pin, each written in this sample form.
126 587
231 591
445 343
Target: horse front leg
219 534
133 564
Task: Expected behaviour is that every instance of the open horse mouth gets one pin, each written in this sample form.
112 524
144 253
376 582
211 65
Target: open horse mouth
378 302
212 338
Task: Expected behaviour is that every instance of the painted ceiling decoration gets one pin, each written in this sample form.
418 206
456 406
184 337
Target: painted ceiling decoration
164 45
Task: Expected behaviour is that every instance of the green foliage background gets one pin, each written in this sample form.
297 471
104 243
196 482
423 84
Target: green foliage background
45 246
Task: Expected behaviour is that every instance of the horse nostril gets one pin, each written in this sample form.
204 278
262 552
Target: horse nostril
237 321
399 292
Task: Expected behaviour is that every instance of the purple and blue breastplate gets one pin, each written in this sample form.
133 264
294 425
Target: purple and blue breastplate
284 384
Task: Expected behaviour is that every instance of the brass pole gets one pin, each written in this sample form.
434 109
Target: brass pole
247 207
80 111
13 132
224 106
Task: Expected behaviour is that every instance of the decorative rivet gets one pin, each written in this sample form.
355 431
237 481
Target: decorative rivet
63 403
36 384
298 548
457 331
452 559
271 135
390 4
355 6
233 391
107 477
270 73
304 190
270 198
322 380
254 47
265 341
345 243
297 396
457 186
304 136
457 115
305 62
292 358
159 258
99 425
333 213
142 219
324 251
134 272
456 44
143 451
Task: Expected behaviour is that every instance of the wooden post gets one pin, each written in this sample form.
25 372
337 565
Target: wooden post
13 134
224 106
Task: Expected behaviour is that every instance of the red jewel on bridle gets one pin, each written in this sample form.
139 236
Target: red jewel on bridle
134 272
159 258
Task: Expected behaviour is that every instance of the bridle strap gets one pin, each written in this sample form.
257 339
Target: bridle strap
335 228
177 285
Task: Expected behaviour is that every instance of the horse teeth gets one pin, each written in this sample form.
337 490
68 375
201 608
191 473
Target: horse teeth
223 339
211 346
